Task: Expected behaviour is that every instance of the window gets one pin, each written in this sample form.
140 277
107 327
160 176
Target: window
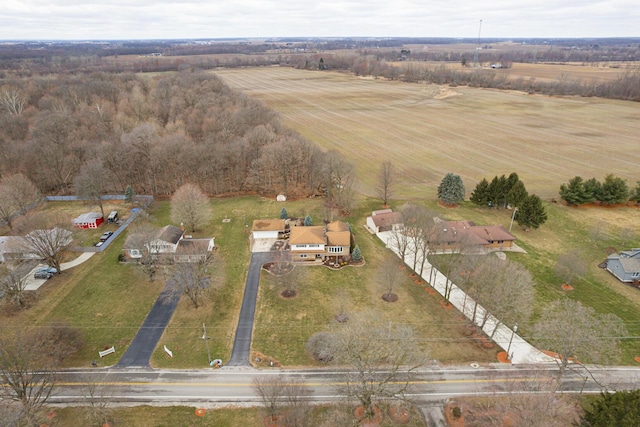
335 249
313 246
135 253
303 255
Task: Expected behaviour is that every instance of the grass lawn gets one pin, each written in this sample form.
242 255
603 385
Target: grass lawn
572 229
283 326
108 301
142 416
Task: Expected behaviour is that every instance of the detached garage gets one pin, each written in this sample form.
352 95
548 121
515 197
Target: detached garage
267 228
88 220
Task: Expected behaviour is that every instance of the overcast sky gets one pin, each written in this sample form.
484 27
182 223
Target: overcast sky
163 19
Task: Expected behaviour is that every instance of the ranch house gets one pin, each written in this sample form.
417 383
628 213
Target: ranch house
625 266
168 244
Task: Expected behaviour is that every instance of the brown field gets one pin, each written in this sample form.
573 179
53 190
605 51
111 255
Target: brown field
429 130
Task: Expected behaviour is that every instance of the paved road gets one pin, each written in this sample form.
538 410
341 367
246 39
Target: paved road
145 341
242 341
234 385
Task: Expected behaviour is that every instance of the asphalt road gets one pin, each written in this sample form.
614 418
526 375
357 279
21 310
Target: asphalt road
234 385
242 340
145 341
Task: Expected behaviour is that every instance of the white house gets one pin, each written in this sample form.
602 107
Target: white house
171 243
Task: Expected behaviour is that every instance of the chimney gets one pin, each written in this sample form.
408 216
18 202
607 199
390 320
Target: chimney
182 226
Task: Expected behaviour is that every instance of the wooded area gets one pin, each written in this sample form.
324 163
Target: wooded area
154 133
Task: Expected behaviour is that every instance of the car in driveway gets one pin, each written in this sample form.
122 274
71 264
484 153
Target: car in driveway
105 236
44 273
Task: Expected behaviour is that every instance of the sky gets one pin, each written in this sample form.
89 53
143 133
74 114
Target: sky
186 19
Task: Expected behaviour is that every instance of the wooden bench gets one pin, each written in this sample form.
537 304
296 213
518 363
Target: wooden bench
103 353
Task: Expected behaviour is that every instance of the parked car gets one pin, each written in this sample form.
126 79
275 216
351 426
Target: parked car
100 243
44 273
105 236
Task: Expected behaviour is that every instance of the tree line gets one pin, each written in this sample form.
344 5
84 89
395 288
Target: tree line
613 190
154 133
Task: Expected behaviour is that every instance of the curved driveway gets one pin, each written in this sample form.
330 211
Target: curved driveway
242 341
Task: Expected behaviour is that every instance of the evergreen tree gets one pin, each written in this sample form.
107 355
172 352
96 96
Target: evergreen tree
635 194
501 192
451 189
532 213
480 195
574 192
614 190
356 255
517 194
620 409
593 188
283 213
495 191
307 221
512 180
129 194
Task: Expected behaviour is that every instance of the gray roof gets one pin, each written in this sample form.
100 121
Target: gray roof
170 233
193 247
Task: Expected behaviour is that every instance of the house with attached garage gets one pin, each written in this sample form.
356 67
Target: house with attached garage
318 243
625 266
384 220
169 244
470 238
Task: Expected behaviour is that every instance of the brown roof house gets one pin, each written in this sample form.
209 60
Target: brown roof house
168 243
317 243
467 237
384 220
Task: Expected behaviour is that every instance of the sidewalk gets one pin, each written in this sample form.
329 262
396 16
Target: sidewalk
520 350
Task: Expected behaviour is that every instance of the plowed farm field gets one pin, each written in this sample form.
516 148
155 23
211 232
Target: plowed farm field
429 130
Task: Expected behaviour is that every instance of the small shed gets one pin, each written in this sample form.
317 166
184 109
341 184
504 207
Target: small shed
88 220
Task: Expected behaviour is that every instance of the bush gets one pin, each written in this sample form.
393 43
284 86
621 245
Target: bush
320 346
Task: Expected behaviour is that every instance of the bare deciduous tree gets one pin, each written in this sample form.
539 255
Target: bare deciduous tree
49 239
506 291
388 277
17 194
532 402
570 265
578 334
12 100
192 279
26 374
7 206
142 237
98 396
189 205
386 177
271 389
13 285
382 360
92 182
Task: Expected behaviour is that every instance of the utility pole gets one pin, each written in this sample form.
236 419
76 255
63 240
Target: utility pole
515 209
206 340
475 55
